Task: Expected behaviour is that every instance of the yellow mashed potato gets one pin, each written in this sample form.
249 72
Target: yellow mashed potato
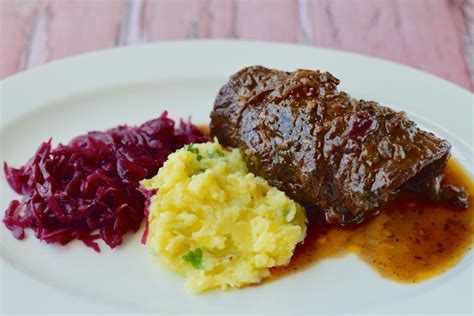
216 223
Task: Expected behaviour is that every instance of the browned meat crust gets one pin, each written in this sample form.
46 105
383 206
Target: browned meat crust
322 147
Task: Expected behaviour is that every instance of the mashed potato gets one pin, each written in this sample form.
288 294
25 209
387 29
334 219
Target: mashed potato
216 223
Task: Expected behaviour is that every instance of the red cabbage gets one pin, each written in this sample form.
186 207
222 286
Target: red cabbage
89 189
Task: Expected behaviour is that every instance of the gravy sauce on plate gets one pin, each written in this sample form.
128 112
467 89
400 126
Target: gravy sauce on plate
411 240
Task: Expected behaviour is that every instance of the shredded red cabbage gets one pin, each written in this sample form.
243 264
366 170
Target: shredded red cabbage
89 189
148 195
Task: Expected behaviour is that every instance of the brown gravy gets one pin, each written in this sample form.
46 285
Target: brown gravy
204 128
411 240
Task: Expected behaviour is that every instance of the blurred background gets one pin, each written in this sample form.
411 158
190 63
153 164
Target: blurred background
433 35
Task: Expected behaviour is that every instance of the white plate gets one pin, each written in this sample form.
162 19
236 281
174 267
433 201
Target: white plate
131 85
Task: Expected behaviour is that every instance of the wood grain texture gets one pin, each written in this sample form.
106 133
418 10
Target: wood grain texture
16 25
465 25
433 35
276 20
425 34
89 25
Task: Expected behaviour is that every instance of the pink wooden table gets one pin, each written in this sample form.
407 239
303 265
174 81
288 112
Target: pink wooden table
433 35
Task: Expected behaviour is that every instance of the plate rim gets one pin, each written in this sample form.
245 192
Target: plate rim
98 53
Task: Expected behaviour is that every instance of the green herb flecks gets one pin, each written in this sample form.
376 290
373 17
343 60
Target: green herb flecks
215 154
194 257
195 151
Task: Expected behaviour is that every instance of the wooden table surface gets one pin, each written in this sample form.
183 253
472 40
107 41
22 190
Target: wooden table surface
433 35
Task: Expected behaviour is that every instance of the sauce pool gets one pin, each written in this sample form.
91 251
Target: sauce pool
204 128
411 240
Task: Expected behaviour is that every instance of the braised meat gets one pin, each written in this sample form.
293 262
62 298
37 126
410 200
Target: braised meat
323 148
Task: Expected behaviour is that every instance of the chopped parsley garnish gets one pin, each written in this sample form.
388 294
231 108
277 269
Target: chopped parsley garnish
194 257
216 153
195 151
192 149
